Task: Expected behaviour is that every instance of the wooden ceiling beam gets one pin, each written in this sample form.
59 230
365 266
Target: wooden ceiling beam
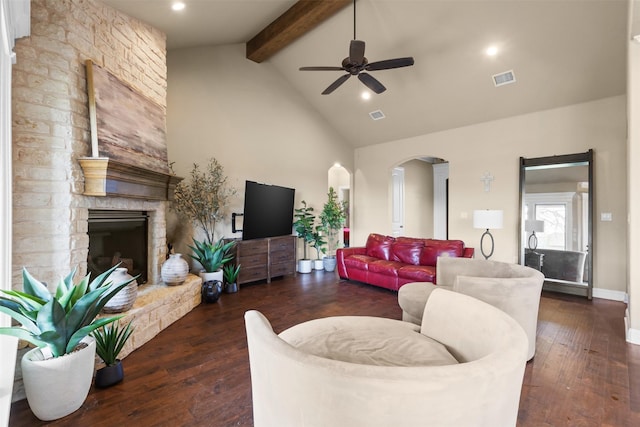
301 18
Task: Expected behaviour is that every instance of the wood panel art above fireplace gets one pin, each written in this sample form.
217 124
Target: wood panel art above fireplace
108 177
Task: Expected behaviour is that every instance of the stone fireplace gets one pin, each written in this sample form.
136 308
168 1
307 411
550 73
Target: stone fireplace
52 194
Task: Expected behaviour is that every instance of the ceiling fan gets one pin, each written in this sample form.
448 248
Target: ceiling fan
357 65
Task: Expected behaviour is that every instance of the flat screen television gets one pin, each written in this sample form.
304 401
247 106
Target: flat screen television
268 211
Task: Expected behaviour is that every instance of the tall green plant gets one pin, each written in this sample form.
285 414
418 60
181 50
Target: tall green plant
332 218
59 321
204 197
303 225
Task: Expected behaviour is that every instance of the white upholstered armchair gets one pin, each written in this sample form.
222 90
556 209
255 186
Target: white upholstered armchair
359 371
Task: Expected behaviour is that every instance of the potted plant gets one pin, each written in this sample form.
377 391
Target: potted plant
57 374
231 273
203 198
318 244
332 219
212 257
110 339
303 225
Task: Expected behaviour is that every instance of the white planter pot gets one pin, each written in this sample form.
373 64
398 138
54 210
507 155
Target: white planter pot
329 263
216 275
304 266
59 386
318 264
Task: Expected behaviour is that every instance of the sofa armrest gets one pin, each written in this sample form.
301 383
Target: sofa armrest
343 253
468 253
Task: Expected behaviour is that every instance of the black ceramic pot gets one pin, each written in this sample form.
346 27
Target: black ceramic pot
231 288
109 375
211 290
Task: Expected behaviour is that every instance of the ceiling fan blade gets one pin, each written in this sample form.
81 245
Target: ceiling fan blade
335 85
370 82
356 52
389 63
321 69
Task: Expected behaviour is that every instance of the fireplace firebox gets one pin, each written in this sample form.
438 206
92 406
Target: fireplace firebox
118 236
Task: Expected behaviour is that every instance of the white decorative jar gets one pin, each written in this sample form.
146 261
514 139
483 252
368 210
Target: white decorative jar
123 300
174 271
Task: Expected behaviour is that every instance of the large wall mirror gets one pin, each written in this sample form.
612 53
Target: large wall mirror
556 220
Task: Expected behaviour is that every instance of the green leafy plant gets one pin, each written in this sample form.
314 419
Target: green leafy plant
110 339
319 242
303 225
332 219
204 196
59 321
212 256
231 273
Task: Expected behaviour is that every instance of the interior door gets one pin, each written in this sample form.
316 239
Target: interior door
397 204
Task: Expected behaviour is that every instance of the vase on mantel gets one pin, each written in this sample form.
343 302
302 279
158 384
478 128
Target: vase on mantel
123 300
174 270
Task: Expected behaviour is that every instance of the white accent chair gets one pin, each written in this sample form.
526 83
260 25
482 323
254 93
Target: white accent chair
347 371
513 288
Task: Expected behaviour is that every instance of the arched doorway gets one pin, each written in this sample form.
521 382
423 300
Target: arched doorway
419 197
340 179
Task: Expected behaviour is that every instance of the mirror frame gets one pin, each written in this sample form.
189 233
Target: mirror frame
556 160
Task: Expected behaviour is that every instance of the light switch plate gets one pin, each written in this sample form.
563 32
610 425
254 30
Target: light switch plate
606 216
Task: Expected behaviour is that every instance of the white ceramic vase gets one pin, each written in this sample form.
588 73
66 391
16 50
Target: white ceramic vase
123 300
174 270
216 275
59 386
318 264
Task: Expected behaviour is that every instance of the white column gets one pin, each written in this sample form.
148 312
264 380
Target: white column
13 15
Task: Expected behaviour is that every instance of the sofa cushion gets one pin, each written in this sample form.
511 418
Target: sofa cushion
388 268
408 253
418 273
379 246
359 262
368 341
436 248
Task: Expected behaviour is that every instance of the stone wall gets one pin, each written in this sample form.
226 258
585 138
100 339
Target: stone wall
51 128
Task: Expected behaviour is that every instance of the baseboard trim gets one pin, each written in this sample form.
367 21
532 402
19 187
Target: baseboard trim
631 335
609 294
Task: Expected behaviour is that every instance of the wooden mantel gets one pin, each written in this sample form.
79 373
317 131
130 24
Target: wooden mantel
108 177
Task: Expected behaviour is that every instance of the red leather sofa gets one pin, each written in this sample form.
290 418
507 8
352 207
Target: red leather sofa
390 262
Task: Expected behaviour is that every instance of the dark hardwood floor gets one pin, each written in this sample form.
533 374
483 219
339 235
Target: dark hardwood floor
196 372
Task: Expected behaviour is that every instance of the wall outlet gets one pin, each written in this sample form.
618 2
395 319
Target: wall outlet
606 216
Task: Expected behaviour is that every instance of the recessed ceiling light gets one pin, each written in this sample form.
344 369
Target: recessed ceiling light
178 6
491 51
365 95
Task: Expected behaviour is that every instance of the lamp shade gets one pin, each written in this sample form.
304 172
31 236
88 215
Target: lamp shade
534 225
487 218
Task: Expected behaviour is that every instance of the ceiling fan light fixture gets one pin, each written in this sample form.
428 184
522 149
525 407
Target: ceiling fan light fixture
366 95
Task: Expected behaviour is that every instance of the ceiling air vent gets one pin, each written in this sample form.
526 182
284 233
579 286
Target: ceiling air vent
376 115
504 78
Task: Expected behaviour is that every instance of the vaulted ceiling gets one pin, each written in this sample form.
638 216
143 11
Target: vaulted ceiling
561 52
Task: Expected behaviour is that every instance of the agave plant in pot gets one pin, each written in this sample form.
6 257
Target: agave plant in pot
110 339
231 273
57 374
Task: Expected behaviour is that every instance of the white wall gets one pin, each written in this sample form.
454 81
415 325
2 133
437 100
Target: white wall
418 198
633 165
222 105
496 147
